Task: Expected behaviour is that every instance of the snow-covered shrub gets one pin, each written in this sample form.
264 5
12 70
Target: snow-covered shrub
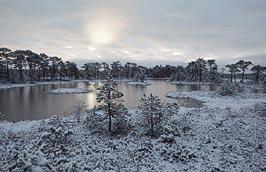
171 109
53 141
64 164
94 119
177 128
122 123
167 138
152 112
54 121
78 109
26 160
170 131
143 151
176 153
227 89
155 114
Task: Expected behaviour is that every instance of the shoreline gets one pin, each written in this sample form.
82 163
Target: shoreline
8 86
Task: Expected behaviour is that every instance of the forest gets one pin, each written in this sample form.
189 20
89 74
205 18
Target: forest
21 66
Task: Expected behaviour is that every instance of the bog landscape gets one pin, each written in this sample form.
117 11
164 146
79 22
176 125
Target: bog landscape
154 86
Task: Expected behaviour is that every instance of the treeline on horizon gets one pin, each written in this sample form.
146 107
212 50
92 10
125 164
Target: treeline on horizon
27 66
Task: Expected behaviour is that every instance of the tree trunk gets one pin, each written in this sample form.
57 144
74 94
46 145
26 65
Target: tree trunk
257 77
200 75
20 75
7 70
110 118
152 126
152 123
231 77
43 74
242 80
210 74
109 112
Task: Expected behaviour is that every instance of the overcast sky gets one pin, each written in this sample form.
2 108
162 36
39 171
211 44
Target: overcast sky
147 32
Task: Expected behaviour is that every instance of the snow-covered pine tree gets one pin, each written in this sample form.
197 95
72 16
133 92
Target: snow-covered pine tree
122 122
139 77
108 94
152 110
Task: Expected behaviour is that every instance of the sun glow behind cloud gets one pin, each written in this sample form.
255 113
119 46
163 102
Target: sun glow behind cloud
101 33
104 29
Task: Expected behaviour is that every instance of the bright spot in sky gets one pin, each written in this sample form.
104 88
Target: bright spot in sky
91 48
166 50
126 52
69 47
101 33
177 53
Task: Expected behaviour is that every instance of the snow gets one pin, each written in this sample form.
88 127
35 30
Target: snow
213 100
7 86
138 83
68 91
227 133
191 83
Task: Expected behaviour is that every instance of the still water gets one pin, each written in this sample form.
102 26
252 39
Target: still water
35 102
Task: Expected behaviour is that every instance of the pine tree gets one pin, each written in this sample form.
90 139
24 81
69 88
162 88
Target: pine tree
212 70
201 67
5 55
258 69
19 62
233 69
152 113
108 94
243 65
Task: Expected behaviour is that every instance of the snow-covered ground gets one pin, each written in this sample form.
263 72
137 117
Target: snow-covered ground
145 83
192 83
225 134
69 91
213 100
7 86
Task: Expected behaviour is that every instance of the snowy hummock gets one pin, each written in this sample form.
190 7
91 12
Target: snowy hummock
145 83
213 100
191 83
69 91
7 86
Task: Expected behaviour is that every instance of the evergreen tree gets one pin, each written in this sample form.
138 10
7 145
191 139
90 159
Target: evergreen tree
44 64
108 94
200 67
212 70
243 65
258 69
233 69
5 56
116 69
179 75
152 113
19 62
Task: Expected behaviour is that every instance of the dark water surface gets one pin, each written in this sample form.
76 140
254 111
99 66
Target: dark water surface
35 102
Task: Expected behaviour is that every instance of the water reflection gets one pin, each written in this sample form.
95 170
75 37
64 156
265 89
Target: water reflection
35 103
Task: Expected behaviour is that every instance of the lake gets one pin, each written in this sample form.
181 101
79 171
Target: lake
35 102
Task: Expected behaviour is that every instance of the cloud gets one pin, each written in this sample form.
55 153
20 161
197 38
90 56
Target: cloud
151 31
91 48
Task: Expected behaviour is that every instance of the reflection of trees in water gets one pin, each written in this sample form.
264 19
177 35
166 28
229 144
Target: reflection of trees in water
34 102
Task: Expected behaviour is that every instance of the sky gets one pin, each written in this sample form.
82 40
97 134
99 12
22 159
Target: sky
147 32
